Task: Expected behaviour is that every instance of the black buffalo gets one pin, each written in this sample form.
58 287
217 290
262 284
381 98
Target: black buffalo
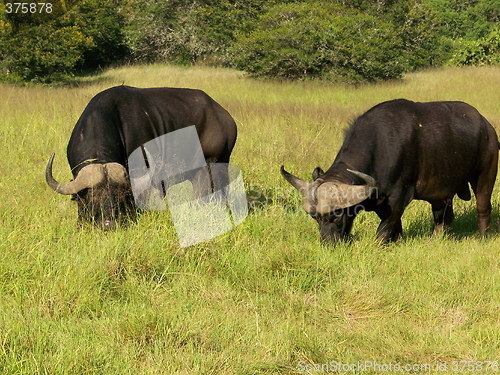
115 123
398 151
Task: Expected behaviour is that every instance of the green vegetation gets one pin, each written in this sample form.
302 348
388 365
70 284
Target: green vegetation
303 40
261 298
347 41
50 47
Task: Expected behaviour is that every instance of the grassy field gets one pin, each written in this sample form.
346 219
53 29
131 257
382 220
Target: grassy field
265 298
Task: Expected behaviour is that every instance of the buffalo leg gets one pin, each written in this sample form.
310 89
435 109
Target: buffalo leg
213 179
222 177
348 225
390 228
443 215
202 183
483 189
211 182
483 202
390 213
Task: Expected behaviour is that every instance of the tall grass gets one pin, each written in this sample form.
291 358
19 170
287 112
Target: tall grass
265 298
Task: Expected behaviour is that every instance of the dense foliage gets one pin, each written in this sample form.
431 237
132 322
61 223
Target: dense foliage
316 40
361 40
74 36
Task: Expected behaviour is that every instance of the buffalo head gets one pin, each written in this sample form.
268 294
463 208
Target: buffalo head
333 204
102 192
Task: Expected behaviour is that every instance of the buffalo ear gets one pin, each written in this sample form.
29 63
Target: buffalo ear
317 173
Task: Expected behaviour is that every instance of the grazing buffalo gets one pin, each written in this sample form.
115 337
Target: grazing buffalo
121 119
399 151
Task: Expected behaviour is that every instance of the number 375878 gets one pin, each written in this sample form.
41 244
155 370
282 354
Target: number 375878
28 7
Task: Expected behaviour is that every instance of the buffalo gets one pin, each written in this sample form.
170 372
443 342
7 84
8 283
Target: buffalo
399 151
118 121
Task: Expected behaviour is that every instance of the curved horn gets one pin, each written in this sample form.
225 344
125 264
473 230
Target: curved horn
89 176
337 195
297 183
370 181
51 181
307 189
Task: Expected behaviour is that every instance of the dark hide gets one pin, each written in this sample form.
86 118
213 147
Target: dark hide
119 120
428 151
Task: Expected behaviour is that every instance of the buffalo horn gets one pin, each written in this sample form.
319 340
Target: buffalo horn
334 195
307 189
116 172
302 186
370 181
89 176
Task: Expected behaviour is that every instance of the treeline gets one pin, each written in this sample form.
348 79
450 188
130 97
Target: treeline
354 41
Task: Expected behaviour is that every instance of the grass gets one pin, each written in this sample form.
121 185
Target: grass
262 298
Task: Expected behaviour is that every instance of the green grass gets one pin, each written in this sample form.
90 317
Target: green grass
257 300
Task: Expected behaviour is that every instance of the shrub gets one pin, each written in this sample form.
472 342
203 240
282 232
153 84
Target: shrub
101 22
45 53
484 51
160 31
319 40
53 49
417 27
185 32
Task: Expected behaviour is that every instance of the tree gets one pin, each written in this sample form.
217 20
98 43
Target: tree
484 51
53 48
46 53
103 24
155 32
185 32
302 40
417 27
359 40
469 28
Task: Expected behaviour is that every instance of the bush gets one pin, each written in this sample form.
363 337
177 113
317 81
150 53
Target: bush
417 28
85 37
485 51
101 22
185 32
319 40
159 31
45 53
